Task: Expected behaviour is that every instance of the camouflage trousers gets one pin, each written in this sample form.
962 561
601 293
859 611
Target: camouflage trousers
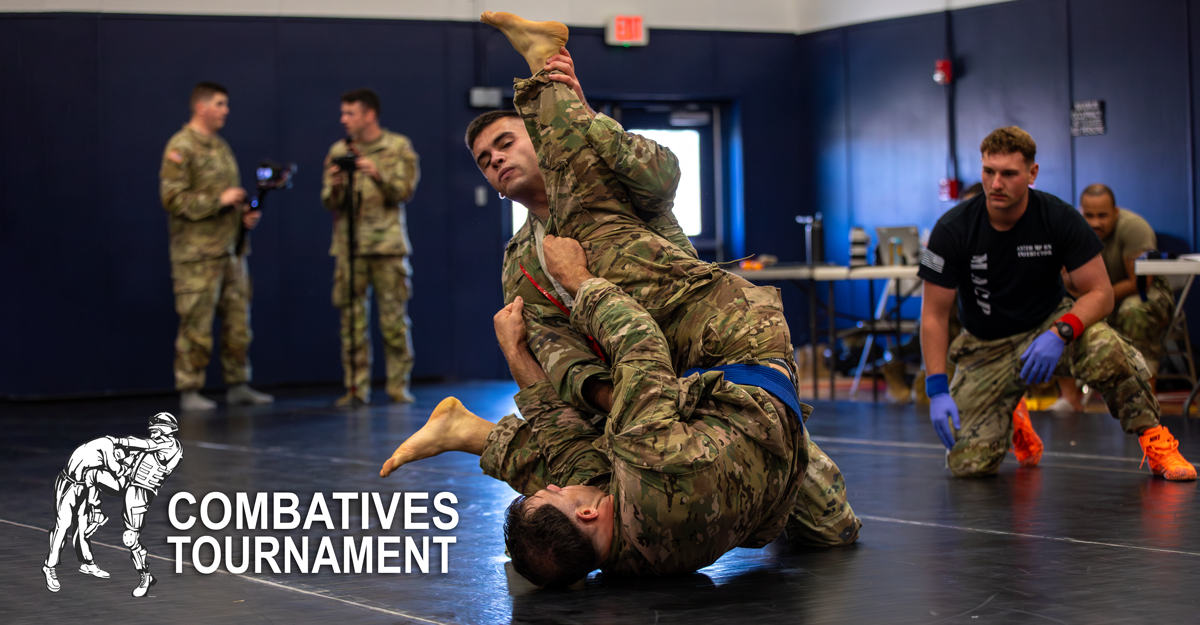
514 455
389 278
1142 324
202 289
987 388
709 316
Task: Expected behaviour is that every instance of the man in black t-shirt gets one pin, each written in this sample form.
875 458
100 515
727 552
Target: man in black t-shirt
1002 252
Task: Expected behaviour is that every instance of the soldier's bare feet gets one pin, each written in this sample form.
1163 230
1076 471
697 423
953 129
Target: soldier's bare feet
536 41
451 427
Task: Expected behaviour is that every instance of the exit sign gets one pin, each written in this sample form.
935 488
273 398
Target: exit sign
626 30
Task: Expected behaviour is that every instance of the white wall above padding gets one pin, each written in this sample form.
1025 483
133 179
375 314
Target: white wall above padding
786 16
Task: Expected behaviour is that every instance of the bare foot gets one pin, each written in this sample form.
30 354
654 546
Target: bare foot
536 41
451 427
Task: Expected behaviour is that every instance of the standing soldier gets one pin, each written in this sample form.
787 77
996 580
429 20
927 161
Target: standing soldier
386 176
207 207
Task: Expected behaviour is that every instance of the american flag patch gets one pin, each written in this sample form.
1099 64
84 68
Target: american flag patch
933 261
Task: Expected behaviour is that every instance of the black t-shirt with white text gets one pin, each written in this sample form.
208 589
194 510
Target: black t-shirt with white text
1008 282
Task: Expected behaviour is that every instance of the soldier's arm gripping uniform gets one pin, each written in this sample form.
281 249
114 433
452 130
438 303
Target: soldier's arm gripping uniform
644 177
565 355
205 269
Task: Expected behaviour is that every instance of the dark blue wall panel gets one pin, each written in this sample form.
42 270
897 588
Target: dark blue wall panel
1134 56
1023 81
897 133
53 248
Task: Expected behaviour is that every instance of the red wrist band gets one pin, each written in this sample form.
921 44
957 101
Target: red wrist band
1074 322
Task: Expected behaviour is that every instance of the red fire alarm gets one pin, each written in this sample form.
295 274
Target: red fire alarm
948 189
625 31
942 73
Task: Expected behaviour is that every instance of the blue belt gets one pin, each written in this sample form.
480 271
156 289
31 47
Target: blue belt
762 376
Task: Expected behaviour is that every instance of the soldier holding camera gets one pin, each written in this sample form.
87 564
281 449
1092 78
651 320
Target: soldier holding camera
207 207
385 174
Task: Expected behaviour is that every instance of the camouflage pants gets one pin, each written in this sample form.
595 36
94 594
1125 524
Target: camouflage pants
1142 323
822 515
987 388
710 317
389 278
202 289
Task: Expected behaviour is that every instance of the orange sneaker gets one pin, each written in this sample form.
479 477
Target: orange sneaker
1162 450
1026 443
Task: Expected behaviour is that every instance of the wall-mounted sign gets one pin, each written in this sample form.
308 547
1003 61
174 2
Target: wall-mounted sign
1087 118
625 31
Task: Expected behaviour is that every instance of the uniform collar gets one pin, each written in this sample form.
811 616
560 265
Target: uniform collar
206 140
375 145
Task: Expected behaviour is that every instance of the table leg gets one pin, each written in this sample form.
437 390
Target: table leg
812 334
870 344
832 314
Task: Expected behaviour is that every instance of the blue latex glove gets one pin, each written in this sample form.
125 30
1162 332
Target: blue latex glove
942 408
1041 357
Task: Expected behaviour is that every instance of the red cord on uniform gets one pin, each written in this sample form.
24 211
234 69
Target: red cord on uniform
593 343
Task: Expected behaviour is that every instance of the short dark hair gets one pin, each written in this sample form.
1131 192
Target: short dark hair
368 97
1010 140
483 121
546 547
205 90
1096 190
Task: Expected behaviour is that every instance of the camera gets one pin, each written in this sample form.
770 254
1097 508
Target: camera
346 162
272 175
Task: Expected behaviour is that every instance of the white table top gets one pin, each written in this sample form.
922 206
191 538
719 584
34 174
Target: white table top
1178 267
827 273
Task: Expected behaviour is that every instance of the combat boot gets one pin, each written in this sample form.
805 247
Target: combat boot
897 388
1162 450
193 401
918 389
144 587
243 395
403 397
1026 444
51 579
349 400
90 568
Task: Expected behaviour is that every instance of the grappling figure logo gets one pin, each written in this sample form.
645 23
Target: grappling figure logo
131 468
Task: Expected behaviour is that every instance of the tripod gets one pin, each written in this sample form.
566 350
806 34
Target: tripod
348 165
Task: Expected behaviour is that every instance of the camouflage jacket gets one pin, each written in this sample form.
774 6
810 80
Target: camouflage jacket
195 171
650 185
588 164
379 220
699 466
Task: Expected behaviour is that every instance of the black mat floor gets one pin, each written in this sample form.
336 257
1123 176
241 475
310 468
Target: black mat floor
1087 537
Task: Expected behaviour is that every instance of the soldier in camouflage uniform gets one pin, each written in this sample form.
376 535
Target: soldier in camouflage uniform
689 467
1004 254
642 182
207 209
1125 235
386 179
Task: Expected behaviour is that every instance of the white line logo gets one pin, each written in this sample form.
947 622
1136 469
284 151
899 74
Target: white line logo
132 468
